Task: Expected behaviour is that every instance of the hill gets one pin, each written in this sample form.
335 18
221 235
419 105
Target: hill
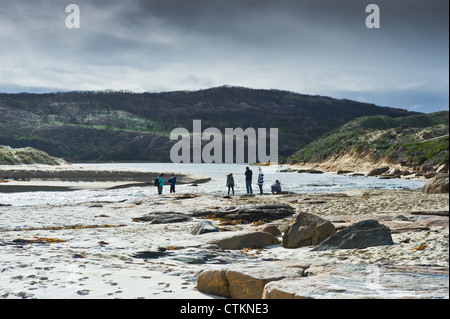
410 141
29 155
124 126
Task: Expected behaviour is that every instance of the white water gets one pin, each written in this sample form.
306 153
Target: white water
292 182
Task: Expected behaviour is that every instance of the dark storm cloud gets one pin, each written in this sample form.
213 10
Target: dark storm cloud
316 47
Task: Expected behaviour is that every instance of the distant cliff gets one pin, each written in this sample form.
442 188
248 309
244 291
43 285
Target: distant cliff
122 126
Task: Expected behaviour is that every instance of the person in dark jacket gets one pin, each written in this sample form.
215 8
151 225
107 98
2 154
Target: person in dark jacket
276 188
230 183
248 180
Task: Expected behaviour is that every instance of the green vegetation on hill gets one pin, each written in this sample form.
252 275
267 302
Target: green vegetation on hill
412 140
29 155
123 126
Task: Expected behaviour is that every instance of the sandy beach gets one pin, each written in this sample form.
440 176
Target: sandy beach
113 250
28 178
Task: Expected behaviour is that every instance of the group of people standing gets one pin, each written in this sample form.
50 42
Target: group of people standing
159 182
276 188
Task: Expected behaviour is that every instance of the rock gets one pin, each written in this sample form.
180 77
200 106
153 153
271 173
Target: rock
271 229
393 173
425 168
389 176
378 171
434 221
242 240
307 230
309 171
248 283
429 174
288 170
287 289
213 282
163 218
310 201
437 185
342 172
419 174
244 282
203 227
366 233
361 281
150 254
250 214
442 169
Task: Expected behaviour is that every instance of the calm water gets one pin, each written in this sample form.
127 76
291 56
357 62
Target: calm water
293 182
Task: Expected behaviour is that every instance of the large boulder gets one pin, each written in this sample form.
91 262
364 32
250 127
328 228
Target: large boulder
244 282
366 233
437 185
307 230
240 240
213 282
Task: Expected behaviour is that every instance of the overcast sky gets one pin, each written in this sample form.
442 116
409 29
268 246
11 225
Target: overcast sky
307 46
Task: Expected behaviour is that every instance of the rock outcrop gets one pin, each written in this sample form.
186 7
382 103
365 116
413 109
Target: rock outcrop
249 213
437 185
163 218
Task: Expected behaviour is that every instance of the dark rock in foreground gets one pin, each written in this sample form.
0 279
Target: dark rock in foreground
250 213
163 218
240 240
366 233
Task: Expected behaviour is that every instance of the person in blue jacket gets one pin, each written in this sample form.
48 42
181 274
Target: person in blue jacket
172 180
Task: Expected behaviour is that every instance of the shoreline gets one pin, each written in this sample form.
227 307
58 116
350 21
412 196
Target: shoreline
28 178
352 170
